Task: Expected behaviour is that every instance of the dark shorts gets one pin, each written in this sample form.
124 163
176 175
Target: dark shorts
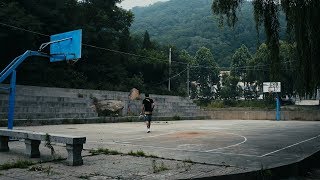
148 117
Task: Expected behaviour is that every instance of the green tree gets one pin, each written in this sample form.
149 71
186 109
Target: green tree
206 72
239 62
146 41
288 69
230 89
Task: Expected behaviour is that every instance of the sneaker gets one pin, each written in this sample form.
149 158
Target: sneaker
148 131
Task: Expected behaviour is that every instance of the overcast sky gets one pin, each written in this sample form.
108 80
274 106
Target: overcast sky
128 4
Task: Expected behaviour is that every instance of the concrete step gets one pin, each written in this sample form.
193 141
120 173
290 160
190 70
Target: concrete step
5 103
46 98
40 109
49 115
48 101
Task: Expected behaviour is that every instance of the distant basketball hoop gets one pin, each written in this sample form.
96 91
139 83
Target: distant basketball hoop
271 87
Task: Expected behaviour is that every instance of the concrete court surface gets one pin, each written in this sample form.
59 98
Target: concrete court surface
246 145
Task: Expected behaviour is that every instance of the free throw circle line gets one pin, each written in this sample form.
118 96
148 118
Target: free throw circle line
245 139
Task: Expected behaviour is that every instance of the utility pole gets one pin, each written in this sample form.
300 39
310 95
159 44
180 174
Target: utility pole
169 88
188 81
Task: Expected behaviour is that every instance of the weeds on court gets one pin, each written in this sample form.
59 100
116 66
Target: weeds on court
176 117
21 164
40 168
265 173
152 156
48 144
88 176
158 168
188 161
185 165
104 151
138 153
84 177
58 158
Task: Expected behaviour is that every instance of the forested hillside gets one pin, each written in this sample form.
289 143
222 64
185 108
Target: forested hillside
190 24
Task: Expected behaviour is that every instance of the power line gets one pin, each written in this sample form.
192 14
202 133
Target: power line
172 77
88 45
23 29
136 55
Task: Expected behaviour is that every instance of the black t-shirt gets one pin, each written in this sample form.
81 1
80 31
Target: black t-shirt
147 102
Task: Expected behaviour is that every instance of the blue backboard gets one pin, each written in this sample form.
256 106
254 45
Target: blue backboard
66 46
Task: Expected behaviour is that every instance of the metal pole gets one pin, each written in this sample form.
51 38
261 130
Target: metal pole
278 108
169 85
188 80
12 99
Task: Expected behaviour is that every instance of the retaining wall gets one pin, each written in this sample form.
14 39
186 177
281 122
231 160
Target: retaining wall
229 114
35 103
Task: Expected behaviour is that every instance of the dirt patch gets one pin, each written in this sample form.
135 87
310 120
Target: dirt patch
188 134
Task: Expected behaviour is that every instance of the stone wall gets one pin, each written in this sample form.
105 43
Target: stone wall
33 102
229 114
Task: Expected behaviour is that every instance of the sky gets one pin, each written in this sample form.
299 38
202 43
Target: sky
128 4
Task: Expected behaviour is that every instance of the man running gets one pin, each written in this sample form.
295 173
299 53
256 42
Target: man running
147 108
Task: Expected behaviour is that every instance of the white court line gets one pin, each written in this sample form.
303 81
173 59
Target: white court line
290 146
127 141
245 139
174 149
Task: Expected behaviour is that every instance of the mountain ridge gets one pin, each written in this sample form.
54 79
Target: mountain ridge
191 25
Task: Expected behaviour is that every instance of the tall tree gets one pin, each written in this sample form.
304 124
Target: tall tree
206 72
239 62
146 41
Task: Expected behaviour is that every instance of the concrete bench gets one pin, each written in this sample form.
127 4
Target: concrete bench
74 144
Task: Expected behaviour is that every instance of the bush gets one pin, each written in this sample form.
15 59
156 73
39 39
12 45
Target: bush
216 104
246 103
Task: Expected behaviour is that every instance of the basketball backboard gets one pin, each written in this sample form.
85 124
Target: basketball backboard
66 46
271 87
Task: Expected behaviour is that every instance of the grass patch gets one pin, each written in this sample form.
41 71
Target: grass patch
265 173
152 156
176 117
138 153
216 104
88 176
104 151
21 164
188 161
158 167
49 145
84 177
47 170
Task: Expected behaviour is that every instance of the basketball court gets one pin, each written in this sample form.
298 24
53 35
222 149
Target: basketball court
247 144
